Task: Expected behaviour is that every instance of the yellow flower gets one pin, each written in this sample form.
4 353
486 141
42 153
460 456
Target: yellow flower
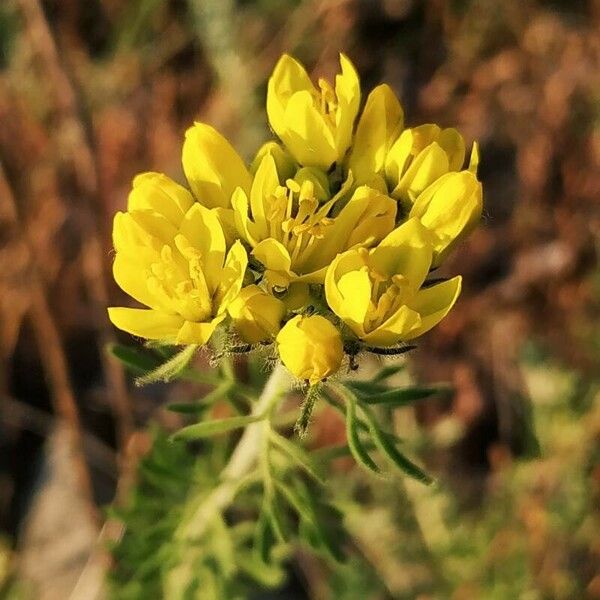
450 208
419 157
296 231
257 315
378 293
310 347
379 126
286 165
315 125
212 167
171 257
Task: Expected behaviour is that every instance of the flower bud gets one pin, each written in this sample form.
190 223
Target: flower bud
310 347
257 315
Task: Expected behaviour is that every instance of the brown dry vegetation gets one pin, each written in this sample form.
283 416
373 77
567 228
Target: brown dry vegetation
93 92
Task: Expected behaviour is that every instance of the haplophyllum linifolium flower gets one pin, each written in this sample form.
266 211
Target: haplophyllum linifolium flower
344 220
421 167
171 257
378 293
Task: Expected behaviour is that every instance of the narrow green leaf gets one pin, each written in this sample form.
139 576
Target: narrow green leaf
199 407
388 448
388 371
135 360
354 443
297 502
277 520
366 387
268 575
169 369
404 396
263 537
209 428
297 454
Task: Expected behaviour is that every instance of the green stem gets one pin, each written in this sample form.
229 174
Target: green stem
242 461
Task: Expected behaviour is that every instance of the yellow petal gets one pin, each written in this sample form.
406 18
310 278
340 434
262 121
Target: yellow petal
273 255
226 217
397 328
246 228
347 91
318 179
352 260
450 209
202 229
288 77
379 125
132 279
264 185
212 167
474 160
403 151
232 276
310 347
355 291
306 135
198 333
434 303
377 217
149 324
159 193
365 219
256 314
430 164
453 145
405 251
286 166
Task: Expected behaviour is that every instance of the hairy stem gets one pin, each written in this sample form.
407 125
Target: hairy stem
242 460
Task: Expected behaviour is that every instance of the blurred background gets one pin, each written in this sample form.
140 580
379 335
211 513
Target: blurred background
93 92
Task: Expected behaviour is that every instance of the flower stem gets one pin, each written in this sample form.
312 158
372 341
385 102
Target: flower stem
240 464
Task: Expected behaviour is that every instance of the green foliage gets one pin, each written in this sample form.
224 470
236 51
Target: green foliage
197 528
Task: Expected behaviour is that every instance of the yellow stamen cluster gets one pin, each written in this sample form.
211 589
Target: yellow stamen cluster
321 246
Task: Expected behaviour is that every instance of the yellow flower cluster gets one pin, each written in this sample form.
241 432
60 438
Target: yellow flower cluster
322 245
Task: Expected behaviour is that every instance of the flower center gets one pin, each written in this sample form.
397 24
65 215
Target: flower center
326 101
296 218
177 281
387 296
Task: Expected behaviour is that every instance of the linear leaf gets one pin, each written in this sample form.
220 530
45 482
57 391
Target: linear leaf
297 454
404 396
387 447
387 372
200 406
135 360
354 443
209 428
169 369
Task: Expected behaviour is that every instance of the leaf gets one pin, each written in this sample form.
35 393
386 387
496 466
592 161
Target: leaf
297 454
354 443
387 372
366 387
209 428
298 503
169 369
403 396
387 447
199 407
268 575
135 360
